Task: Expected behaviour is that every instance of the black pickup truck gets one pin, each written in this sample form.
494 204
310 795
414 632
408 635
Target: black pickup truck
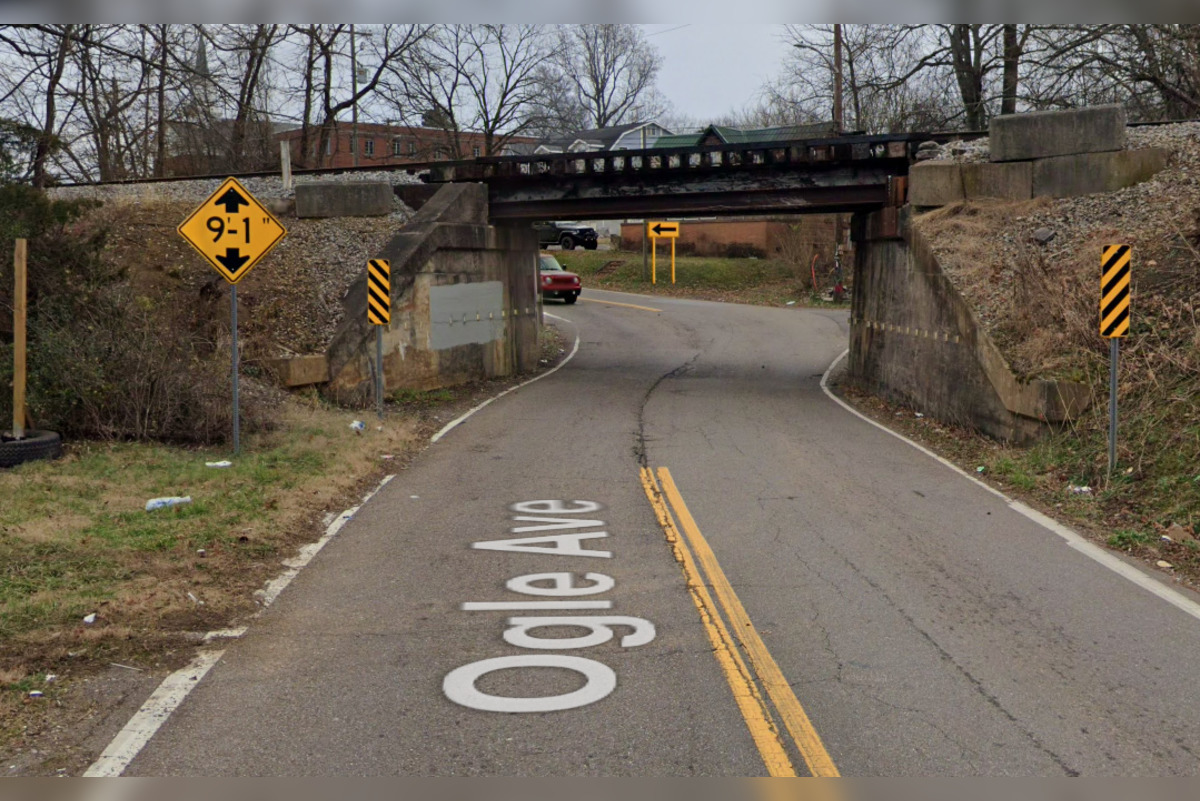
566 234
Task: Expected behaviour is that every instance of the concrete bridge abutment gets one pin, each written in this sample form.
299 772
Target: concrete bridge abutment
464 303
914 340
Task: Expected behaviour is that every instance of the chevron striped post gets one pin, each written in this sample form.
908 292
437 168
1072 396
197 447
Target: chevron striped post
379 314
1115 277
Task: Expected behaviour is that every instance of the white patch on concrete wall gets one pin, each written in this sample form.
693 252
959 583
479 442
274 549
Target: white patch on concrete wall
466 314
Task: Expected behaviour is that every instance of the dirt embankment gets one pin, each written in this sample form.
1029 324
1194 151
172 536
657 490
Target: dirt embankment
291 303
1031 271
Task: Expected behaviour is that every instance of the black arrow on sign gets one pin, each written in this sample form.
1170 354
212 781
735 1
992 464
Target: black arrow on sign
233 259
658 229
231 200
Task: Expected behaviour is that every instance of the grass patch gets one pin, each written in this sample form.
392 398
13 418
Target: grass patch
1127 539
421 398
75 537
765 282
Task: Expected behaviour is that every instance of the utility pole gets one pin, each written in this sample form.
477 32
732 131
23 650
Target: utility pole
837 79
837 124
354 144
645 224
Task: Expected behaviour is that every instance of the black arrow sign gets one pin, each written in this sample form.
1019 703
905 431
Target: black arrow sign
658 228
233 259
231 200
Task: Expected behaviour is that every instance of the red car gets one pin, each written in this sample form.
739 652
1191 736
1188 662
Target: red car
555 282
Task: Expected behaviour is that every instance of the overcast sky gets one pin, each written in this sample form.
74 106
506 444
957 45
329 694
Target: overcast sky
710 69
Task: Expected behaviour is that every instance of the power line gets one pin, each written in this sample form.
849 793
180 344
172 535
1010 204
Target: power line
668 30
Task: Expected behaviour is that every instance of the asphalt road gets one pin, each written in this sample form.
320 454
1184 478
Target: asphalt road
922 625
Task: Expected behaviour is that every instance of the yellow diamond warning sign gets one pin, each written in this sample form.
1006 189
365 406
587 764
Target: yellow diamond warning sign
232 230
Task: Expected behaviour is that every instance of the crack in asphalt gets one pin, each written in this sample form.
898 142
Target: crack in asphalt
970 755
639 447
973 680
976 683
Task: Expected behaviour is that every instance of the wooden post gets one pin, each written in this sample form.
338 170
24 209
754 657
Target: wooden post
285 163
19 259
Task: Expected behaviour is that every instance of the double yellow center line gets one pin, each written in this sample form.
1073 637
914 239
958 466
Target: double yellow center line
702 572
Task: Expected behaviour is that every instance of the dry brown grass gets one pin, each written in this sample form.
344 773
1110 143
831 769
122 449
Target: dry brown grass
1041 307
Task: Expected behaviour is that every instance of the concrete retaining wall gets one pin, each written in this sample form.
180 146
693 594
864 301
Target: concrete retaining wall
1070 176
939 183
1043 154
351 199
464 303
1045 134
914 340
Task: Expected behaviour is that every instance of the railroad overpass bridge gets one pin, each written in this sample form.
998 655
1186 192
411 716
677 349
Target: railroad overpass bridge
842 174
912 336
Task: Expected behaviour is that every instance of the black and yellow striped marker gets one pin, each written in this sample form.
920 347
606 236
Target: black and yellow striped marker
1114 291
379 292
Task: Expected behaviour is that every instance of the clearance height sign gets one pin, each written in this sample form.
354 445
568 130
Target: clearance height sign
232 230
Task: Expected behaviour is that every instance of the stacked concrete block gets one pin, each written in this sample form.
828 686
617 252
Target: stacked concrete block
1088 173
350 199
1043 154
937 183
1045 134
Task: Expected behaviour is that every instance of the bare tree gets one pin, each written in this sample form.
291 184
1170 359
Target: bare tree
1153 69
247 48
44 51
382 48
482 78
610 70
111 94
886 83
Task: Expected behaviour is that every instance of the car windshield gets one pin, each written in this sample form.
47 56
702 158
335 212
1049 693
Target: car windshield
548 263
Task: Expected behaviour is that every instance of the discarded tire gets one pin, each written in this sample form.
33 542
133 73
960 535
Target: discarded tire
36 445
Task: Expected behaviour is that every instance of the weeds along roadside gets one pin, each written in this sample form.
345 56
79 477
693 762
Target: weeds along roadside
1041 308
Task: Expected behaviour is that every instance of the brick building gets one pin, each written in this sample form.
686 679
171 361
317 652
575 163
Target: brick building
386 145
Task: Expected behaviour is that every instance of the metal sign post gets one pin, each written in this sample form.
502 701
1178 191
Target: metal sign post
379 370
237 445
1114 354
232 231
665 230
654 260
1115 279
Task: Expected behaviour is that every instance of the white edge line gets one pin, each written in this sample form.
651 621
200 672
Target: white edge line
446 429
1072 538
146 722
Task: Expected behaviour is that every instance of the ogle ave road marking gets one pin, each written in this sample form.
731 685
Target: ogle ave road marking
459 684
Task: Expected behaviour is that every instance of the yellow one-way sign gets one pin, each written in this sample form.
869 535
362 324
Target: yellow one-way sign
664 230
232 230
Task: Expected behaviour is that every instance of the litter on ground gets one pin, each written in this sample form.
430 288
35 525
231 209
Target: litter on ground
161 503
